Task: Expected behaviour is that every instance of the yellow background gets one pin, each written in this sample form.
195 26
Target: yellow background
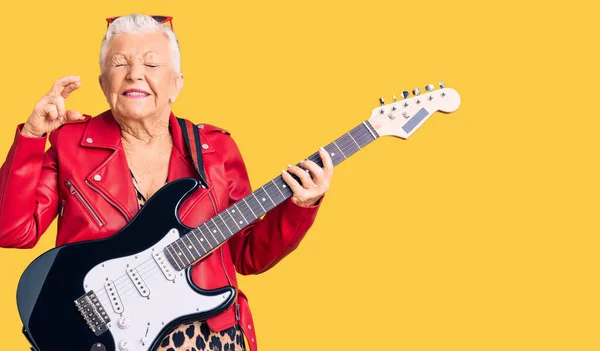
480 232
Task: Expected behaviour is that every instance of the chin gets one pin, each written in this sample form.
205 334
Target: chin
135 112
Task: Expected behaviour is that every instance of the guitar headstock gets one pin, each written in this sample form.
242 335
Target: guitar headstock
402 118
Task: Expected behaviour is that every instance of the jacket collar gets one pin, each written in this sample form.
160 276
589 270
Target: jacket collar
103 131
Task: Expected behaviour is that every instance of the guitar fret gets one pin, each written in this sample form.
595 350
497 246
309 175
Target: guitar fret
250 208
353 140
181 253
287 191
259 202
211 245
221 218
361 136
173 259
269 196
203 238
267 200
191 244
211 232
189 236
219 229
336 145
348 144
272 181
274 195
336 158
234 221
225 222
241 213
191 255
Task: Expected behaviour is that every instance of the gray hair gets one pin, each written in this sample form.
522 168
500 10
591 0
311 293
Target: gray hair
136 23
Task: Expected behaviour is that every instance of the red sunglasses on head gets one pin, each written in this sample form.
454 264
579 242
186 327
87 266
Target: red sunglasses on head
159 19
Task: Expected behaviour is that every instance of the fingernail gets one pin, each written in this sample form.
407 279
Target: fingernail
289 166
77 77
301 161
321 148
283 171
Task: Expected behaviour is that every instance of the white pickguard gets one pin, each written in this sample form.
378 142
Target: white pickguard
143 318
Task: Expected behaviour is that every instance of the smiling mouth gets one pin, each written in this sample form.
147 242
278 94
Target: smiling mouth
135 94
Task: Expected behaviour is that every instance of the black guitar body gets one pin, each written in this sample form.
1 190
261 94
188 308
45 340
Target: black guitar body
51 285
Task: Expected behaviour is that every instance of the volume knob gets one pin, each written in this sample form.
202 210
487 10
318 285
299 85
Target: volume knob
124 322
124 345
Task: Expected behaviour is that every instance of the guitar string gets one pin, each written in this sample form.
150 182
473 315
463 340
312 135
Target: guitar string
121 281
121 294
149 263
148 274
124 295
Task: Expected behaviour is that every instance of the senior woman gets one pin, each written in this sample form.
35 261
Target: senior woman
98 173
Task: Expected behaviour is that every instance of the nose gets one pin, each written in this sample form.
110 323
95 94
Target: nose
135 72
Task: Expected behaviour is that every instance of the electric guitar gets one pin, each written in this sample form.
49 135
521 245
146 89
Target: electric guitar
128 291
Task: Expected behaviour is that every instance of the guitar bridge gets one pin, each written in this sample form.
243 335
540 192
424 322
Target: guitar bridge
93 312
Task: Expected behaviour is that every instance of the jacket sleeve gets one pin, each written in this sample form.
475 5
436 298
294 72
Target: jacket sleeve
266 241
28 191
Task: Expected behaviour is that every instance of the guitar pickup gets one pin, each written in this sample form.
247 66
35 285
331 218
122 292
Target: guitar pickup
93 312
138 282
164 265
113 296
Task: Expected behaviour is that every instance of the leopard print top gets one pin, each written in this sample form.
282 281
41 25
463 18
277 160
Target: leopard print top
196 336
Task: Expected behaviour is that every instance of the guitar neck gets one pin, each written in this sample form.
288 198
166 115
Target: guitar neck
201 240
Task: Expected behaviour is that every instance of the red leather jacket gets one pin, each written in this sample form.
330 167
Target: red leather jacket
87 157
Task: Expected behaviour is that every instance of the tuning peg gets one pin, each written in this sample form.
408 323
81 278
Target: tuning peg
416 91
394 98
441 85
429 87
381 102
405 95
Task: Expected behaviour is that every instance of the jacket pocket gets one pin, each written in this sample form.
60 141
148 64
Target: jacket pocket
75 193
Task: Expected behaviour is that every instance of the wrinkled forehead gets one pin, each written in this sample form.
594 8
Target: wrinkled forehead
139 45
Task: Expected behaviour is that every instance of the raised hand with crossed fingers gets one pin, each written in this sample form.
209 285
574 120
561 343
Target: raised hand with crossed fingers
49 113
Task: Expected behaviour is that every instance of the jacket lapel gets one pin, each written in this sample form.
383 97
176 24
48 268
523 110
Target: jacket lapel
111 179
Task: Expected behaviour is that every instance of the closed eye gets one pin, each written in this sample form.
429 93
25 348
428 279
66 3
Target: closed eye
152 66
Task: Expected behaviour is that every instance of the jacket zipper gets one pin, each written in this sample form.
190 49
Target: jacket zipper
237 305
62 207
107 200
73 190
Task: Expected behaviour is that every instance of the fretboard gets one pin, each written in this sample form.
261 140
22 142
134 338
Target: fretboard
211 234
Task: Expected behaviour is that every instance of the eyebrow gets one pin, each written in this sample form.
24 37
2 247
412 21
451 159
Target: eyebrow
146 55
116 55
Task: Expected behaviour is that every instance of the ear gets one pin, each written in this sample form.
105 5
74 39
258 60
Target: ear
177 88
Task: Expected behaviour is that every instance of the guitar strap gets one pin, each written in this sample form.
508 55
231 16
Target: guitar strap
191 136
